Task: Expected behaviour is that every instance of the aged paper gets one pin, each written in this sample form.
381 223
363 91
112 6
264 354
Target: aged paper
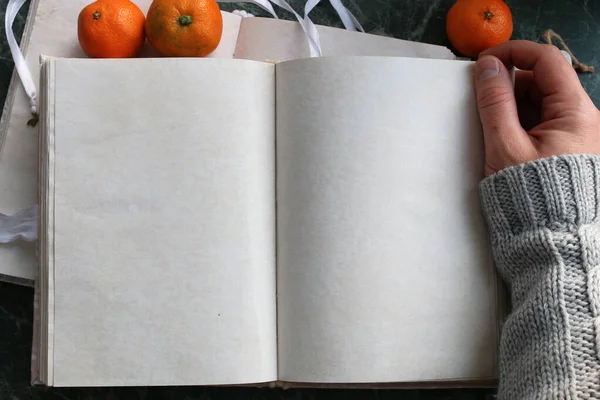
164 223
384 270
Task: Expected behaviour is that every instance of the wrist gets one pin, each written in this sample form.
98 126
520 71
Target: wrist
559 193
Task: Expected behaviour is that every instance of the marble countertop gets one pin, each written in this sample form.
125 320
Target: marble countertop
578 21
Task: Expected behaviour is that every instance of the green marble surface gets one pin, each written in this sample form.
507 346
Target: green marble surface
578 21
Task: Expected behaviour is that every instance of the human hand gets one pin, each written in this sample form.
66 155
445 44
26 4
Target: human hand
546 113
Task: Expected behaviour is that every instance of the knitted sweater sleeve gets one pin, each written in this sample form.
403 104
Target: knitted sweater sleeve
544 222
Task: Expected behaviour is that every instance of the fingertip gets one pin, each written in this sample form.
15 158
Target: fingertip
495 99
487 67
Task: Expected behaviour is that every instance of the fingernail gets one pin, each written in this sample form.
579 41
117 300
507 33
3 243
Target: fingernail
487 67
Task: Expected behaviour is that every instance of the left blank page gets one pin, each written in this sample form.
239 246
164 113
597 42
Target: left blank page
164 218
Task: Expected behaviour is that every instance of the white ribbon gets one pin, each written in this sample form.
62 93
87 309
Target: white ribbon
22 225
20 65
309 28
348 19
312 35
264 4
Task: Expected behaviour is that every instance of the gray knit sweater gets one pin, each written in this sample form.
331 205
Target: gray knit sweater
544 220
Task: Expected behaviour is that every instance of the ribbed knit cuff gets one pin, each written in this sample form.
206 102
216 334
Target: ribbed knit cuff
557 192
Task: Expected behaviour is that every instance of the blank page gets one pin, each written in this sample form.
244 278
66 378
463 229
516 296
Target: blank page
164 222
384 273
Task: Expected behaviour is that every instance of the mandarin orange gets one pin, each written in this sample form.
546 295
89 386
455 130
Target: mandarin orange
473 26
111 29
184 28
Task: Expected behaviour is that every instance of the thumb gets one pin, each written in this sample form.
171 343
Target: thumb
506 142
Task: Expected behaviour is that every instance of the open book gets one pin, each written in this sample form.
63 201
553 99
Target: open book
51 30
212 222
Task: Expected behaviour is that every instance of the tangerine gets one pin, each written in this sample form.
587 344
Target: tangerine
473 26
184 28
111 29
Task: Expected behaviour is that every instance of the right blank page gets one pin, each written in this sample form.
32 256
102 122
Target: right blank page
384 271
